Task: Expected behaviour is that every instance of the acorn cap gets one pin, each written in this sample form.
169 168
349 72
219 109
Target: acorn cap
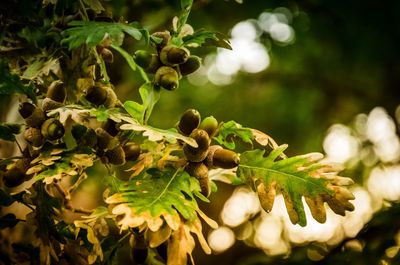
173 55
132 151
14 177
105 140
210 125
34 137
52 129
36 119
57 91
200 172
26 109
167 78
189 121
96 95
111 99
116 156
49 104
107 55
165 36
191 65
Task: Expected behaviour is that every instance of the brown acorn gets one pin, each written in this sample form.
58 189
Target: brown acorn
36 119
116 156
190 66
96 95
221 158
52 129
173 55
189 121
200 172
210 125
49 104
167 78
26 109
200 153
14 177
132 151
34 137
110 126
57 91
105 140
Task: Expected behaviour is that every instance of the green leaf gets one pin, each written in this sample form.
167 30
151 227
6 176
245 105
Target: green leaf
8 220
156 195
40 67
181 21
206 38
93 33
10 84
8 131
102 113
294 177
186 3
229 131
134 109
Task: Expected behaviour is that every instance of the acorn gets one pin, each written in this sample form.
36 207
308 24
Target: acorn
96 95
116 156
110 126
173 55
49 104
57 91
26 109
210 125
189 121
105 53
132 151
200 153
167 78
149 62
165 36
34 137
84 136
52 129
191 65
105 140
36 119
222 158
14 177
200 172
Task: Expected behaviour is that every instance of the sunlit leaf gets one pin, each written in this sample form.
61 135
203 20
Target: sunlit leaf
294 177
231 130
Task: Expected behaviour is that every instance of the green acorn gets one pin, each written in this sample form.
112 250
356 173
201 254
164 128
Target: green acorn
57 91
52 129
167 78
105 141
26 109
36 119
116 156
189 121
191 65
132 151
200 172
34 137
200 153
218 157
210 125
173 55
149 62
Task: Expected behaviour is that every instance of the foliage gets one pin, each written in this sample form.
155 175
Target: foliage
79 129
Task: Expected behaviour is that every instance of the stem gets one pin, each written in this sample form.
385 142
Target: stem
19 146
85 17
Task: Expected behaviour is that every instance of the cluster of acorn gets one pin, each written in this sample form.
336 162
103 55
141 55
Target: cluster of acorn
170 62
204 157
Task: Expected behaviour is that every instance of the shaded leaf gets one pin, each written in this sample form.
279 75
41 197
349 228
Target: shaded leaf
8 220
10 84
294 177
95 5
8 131
92 33
206 38
7 199
229 130
41 67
